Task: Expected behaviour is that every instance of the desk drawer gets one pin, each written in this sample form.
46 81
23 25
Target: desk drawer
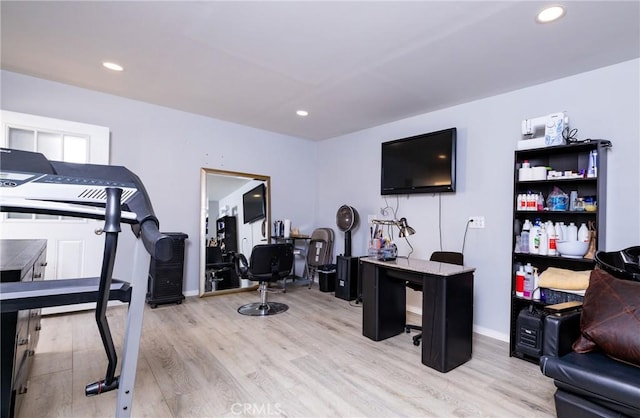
404 276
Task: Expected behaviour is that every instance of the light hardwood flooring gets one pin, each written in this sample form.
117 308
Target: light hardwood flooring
203 359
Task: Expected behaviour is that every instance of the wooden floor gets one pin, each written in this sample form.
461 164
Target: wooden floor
203 359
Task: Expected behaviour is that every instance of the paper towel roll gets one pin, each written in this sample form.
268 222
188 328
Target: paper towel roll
287 228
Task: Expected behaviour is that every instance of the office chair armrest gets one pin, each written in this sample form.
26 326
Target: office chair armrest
242 265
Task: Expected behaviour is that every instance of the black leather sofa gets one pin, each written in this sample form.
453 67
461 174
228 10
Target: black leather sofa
591 383
588 384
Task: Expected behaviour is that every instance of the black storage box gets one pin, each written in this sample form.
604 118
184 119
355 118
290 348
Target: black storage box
346 277
166 277
529 328
327 277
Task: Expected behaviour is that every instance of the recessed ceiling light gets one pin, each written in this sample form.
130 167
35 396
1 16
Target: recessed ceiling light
550 14
112 66
302 113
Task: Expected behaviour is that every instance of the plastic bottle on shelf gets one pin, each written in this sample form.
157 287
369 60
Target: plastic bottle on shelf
583 233
553 239
564 230
524 237
543 246
528 281
572 232
535 294
519 202
520 282
540 202
592 170
531 201
534 237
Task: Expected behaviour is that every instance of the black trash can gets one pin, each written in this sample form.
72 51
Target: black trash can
327 277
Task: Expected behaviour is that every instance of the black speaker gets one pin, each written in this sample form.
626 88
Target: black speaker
346 277
530 327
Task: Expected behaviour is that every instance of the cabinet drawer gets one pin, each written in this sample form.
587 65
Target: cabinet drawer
167 287
22 341
34 328
39 267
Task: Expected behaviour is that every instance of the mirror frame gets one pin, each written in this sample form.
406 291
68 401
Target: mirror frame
203 222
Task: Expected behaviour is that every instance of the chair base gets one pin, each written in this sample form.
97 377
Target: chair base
417 337
262 309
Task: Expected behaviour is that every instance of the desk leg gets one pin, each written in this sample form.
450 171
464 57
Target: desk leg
383 303
447 321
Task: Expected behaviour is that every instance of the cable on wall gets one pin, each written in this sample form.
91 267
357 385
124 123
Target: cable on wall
464 239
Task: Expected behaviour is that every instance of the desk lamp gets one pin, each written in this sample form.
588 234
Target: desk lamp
403 226
405 229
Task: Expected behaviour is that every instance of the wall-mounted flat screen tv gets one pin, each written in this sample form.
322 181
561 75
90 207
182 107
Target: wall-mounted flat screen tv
254 204
420 164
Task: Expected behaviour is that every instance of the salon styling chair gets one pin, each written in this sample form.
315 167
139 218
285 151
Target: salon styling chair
218 271
450 257
268 263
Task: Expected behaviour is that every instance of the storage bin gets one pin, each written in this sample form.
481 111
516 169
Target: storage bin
552 296
327 277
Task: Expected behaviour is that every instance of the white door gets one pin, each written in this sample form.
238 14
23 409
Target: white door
73 248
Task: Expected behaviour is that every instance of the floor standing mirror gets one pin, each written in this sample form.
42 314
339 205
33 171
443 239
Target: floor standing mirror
234 217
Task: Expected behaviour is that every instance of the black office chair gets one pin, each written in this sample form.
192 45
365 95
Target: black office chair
269 263
450 257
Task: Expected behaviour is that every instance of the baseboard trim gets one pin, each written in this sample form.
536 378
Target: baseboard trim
476 328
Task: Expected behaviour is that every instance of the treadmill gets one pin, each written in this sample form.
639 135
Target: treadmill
29 183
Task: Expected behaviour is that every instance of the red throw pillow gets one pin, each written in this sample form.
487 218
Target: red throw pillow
610 319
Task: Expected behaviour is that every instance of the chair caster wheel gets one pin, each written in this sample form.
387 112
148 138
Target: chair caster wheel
407 330
416 342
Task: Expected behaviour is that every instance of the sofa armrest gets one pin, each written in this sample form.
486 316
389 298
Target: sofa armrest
560 332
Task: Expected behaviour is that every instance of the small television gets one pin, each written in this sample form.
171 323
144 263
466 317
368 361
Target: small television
254 204
423 163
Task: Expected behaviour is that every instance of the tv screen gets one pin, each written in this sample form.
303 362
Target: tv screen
254 204
420 164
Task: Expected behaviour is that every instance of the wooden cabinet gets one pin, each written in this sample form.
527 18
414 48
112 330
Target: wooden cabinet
227 234
564 159
20 260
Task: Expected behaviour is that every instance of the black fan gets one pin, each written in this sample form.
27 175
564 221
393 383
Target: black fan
347 220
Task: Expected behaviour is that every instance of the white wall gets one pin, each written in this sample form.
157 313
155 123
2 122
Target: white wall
311 180
601 104
166 149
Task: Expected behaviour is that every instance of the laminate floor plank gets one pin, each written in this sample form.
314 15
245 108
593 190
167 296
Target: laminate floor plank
202 358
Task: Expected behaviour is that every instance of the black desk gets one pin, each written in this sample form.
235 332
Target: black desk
447 306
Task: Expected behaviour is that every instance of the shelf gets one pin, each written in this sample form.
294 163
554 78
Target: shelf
522 300
538 213
559 180
573 158
553 257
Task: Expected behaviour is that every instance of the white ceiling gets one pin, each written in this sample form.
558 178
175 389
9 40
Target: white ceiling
352 65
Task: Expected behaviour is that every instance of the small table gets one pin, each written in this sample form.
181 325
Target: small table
447 306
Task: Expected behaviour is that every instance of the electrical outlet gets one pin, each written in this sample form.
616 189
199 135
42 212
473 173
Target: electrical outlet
476 222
